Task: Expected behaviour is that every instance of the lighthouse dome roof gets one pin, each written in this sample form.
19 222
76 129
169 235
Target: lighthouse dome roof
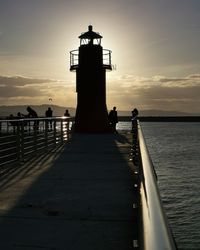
90 34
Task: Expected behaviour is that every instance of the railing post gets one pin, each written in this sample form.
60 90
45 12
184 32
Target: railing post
18 143
35 131
54 132
61 128
67 129
7 127
22 139
46 135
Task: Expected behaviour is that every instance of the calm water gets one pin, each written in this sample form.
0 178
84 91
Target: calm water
175 152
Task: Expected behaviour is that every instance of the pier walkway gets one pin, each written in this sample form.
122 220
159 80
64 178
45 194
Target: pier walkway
79 197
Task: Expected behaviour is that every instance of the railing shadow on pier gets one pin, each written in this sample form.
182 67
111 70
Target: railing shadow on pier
78 197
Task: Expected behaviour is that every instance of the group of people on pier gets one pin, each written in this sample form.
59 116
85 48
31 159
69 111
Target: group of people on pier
33 114
113 118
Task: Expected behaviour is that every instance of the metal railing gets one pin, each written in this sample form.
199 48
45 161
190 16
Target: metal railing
22 138
155 231
106 59
74 59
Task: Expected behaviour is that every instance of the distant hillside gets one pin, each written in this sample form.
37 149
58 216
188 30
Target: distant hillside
40 109
59 111
154 112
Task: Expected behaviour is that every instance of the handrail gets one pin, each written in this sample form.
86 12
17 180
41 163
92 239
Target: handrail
22 138
156 233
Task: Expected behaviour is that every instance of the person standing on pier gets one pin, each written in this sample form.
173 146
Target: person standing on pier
113 118
67 114
49 113
134 118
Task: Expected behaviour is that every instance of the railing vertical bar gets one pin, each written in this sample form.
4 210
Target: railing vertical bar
54 132
35 133
67 129
18 143
61 128
46 135
22 139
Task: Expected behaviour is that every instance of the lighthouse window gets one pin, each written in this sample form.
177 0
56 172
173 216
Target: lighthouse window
90 41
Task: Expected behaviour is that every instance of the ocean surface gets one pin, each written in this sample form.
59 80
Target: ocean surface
175 152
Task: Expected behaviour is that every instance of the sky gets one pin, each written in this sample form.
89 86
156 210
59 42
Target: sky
155 49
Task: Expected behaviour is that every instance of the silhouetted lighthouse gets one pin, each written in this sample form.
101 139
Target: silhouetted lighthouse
90 63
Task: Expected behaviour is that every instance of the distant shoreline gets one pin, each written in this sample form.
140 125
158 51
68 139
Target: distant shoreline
151 118
163 118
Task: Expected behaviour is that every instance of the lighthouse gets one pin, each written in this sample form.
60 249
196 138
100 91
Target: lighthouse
90 62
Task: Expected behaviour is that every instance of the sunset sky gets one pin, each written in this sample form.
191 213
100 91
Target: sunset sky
155 46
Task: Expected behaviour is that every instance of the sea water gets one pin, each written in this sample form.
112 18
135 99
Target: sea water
175 152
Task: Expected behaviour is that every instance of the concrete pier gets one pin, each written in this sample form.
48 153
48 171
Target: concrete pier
79 197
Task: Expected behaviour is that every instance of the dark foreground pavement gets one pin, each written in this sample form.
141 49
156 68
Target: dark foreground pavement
77 198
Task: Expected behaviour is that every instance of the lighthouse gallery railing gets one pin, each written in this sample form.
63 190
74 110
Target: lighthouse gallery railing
156 233
74 59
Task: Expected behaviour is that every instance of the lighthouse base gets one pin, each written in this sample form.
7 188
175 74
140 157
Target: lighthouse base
92 122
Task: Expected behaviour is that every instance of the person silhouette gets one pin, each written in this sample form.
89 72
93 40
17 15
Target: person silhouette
19 115
67 114
134 118
33 114
49 113
113 118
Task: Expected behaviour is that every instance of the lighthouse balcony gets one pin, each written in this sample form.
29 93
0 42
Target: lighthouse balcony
106 61
74 60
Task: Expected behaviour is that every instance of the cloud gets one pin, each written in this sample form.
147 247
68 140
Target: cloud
123 91
19 86
194 76
21 81
13 91
22 90
157 92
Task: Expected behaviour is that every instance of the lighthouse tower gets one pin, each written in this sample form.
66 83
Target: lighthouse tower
90 62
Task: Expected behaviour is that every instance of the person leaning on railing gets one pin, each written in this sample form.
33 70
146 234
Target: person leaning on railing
32 114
